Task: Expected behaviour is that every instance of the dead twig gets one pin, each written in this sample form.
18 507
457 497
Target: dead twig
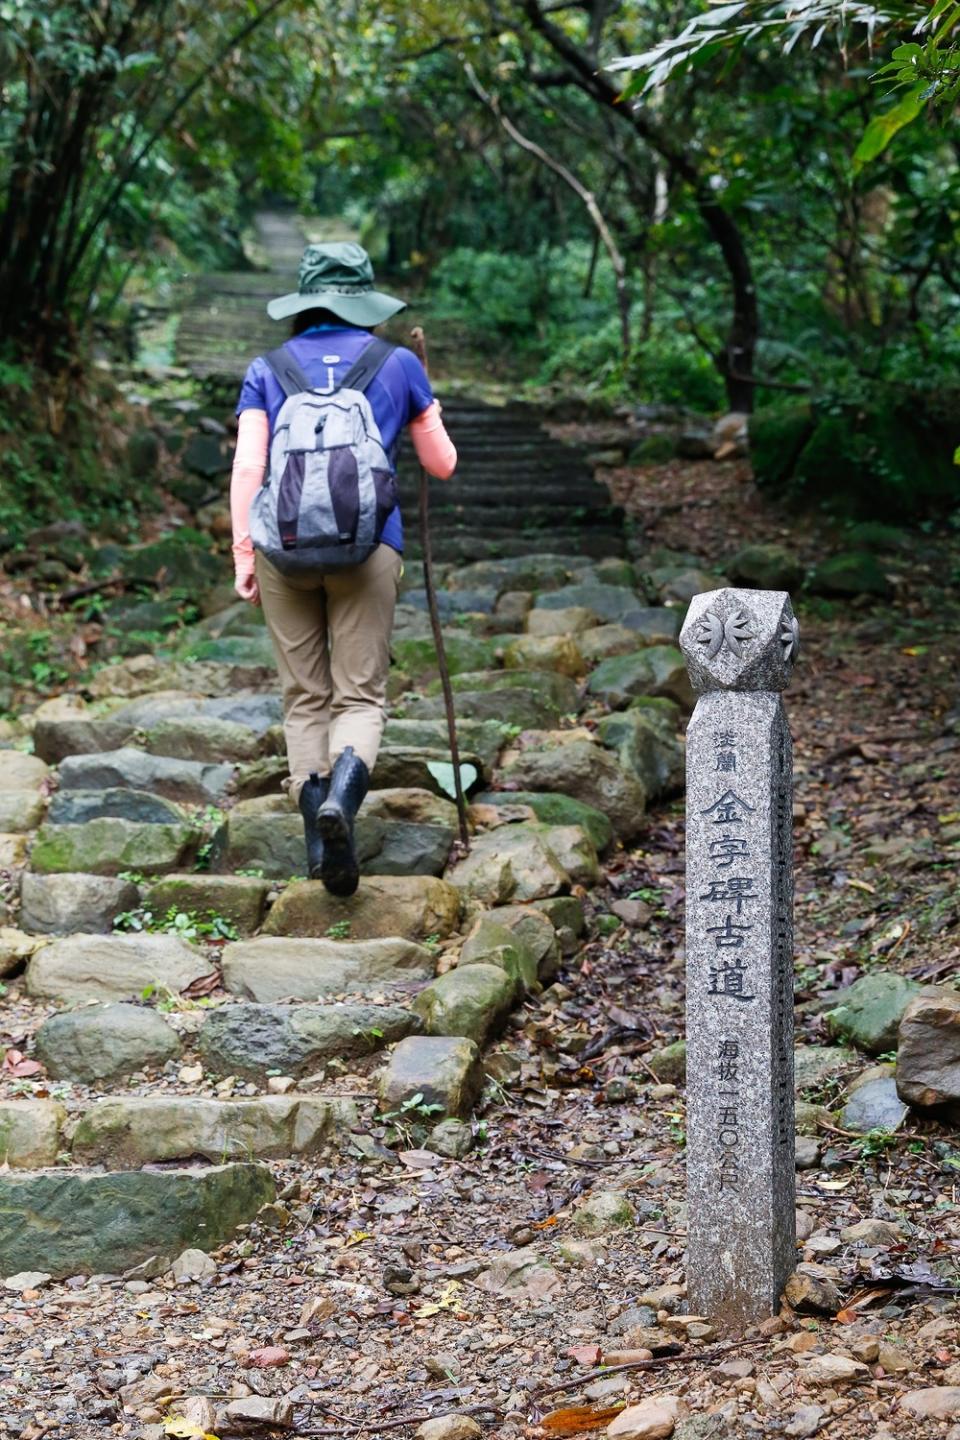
703 1357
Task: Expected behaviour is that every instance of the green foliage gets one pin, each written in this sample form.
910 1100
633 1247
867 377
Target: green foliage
877 451
186 924
929 72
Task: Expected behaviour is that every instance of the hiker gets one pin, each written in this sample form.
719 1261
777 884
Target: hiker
318 542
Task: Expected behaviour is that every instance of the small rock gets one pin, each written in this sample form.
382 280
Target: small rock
520 1275
197 1410
400 1280
812 1294
873 1102
193 1265
872 1232
190 1074
806 1421
939 1402
833 1370
449 1427
653 1419
254 1413
26 1280
583 1253
604 1210
807 1153
452 1139
805 1224
280 1084
894 1359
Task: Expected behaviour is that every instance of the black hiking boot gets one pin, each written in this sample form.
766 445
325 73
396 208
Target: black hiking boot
349 783
312 796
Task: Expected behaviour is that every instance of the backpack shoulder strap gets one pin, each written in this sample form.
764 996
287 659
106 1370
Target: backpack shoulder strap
368 365
291 377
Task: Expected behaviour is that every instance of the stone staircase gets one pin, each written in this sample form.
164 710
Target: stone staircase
202 1012
187 1013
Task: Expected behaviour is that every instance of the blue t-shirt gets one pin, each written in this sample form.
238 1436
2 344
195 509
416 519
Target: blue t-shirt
399 393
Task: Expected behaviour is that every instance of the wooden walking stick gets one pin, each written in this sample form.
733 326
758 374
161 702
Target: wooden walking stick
420 347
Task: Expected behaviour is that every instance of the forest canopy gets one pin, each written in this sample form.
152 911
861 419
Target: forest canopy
755 203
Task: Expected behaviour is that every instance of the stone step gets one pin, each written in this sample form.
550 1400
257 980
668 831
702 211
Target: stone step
72 1221
125 1132
276 968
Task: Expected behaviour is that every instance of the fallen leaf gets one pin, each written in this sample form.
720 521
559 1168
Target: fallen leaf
182 1429
578 1419
15 1063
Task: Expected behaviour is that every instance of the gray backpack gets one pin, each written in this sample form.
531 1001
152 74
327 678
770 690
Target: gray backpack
330 484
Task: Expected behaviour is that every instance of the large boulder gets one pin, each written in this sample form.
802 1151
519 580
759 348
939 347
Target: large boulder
545 652
153 1129
655 670
271 969
19 771
555 809
61 904
853 572
765 565
254 1041
603 641
100 1042
21 810
114 967
266 834
412 906
238 899
110 847
194 782
535 928
557 690
444 1071
476 737
588 773
470 1001
206 739
490 943
68 1222
525 707
646 746
928 1057
870 1010
513 863
606 602
418 657
76 807
559 622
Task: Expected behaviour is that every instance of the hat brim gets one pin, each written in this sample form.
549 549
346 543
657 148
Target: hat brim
371 308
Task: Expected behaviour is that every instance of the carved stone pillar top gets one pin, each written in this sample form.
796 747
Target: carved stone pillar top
740 640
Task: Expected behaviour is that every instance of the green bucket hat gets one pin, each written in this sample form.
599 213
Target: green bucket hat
337 277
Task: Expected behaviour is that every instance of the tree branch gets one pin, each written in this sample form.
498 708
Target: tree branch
579 189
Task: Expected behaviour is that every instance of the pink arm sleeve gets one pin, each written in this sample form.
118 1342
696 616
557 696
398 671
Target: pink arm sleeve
435 450
249 464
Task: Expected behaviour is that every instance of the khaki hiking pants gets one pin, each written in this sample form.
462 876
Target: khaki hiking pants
331 637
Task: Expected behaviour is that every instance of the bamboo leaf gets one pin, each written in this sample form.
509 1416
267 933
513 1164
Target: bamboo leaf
882 128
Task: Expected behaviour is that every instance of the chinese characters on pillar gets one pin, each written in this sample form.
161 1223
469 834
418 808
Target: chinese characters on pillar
729 896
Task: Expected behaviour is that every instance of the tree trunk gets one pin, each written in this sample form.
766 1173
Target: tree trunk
735 361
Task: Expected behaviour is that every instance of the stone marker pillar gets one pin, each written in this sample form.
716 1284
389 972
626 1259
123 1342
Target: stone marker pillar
739 646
